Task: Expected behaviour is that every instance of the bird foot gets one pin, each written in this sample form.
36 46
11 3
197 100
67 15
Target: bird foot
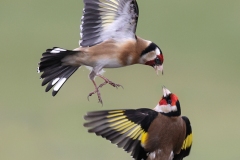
114 84
106 81
111 83
98 94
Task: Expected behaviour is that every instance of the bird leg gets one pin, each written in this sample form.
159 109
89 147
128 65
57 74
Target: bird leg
96 91
107 81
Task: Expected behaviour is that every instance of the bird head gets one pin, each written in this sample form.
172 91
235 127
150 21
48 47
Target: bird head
153 56
169 104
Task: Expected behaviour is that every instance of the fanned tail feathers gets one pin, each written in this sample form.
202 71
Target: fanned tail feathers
54 73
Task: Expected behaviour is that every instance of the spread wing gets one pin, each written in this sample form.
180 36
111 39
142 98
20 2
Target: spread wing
108 19
187 144
126 128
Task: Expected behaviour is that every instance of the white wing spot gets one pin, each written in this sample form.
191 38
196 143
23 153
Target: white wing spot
38 70
53 51
59 84
57 50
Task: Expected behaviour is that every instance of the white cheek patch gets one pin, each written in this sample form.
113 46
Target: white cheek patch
157 51
165 108
148 57
174 108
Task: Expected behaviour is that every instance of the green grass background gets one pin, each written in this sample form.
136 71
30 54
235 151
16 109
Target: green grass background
201 44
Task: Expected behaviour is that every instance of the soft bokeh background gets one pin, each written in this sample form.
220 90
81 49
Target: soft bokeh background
201 44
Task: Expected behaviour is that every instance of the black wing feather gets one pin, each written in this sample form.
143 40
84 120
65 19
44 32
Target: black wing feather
122 127
100 14
186 148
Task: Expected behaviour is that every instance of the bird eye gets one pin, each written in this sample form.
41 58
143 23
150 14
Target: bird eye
157 61
169 101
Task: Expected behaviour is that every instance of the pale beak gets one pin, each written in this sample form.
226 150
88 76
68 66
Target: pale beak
166 92
158 68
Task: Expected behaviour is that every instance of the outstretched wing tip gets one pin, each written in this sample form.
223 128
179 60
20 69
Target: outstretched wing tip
123 127
105 19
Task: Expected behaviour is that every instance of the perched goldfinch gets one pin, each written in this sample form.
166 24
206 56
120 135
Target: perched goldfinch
108 40
158 134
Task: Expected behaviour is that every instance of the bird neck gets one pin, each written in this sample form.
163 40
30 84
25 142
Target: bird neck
171 114
168 110
141 45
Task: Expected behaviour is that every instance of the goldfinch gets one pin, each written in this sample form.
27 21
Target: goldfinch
158 134
108 40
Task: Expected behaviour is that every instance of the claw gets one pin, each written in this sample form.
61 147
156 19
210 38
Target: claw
96 91
98 94
114 84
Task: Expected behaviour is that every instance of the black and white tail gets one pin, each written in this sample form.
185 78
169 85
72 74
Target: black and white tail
54 73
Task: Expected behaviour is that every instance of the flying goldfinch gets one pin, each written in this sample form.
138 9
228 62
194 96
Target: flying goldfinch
108 40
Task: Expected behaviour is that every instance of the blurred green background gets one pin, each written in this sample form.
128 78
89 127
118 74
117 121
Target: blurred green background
201 44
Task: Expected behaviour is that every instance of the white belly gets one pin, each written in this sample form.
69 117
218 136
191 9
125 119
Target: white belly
109 63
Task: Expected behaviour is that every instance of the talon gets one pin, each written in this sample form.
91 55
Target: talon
98 94
90 94
114 84
100 101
